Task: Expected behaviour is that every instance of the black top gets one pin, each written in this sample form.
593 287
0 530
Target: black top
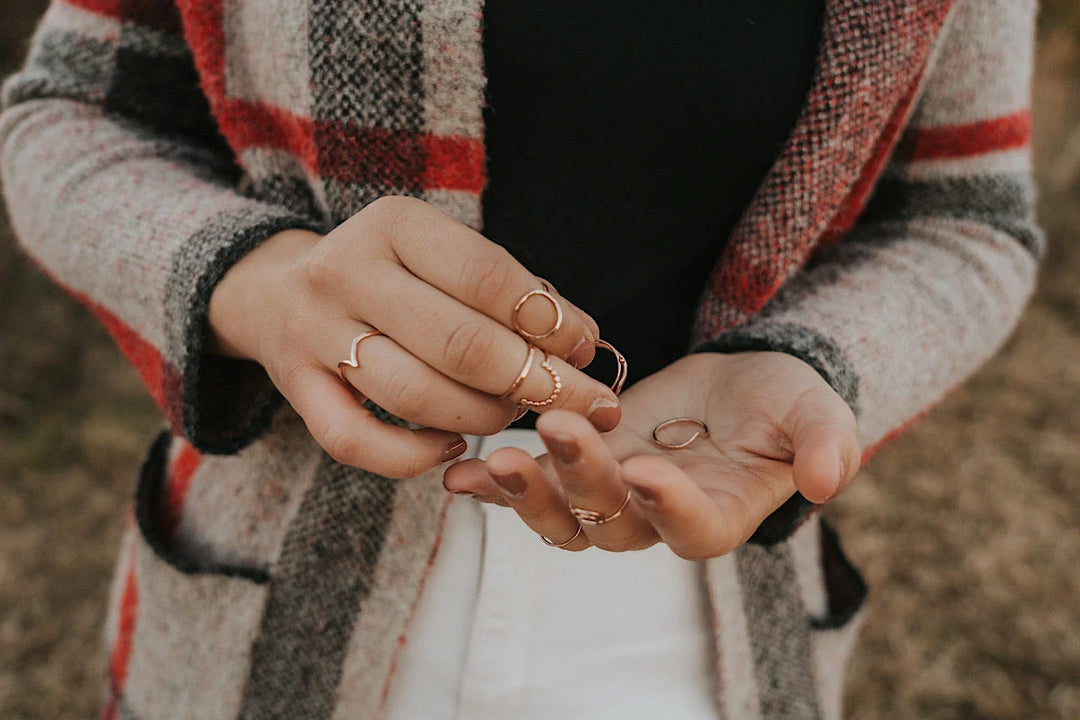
626 137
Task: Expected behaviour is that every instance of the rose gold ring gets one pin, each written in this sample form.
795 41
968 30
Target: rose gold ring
551 299
562 546
523 374
556 386
624 368
702 433
591 517
353 362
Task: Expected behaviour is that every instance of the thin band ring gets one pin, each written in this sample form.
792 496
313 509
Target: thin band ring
702 433
556 387
562 546
520 303
523 374
354 349
624 368
591 517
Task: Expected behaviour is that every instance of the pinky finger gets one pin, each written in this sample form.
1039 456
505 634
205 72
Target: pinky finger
352 435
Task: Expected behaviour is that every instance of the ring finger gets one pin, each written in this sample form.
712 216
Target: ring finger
591 480
516 477
399 382
476 351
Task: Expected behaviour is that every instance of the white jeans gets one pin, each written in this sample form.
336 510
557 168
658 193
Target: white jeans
510 628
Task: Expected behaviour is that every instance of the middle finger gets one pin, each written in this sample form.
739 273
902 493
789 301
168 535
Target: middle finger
477 351
591 478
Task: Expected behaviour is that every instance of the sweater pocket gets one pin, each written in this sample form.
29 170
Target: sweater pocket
181 627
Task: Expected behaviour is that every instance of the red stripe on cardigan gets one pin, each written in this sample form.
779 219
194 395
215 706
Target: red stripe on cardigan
204 30
125 632
163 381
181 470
351 154
355 155
148 13
853 204
1008 132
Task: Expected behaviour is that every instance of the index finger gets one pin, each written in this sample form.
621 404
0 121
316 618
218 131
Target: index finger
483 275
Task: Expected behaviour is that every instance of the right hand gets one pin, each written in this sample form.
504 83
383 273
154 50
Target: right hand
443 295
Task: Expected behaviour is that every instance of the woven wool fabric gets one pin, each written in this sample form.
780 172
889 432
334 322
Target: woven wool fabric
148 144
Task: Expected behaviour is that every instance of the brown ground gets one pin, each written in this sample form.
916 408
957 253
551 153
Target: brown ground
968 528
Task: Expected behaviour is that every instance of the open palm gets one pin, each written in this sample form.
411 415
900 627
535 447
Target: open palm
775 427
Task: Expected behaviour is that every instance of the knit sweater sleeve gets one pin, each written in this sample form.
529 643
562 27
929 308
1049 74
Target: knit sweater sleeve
935 274
120 187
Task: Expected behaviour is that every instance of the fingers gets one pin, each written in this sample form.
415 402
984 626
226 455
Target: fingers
353 436
480 274
591 480
823 432
399 382
473 349
518 479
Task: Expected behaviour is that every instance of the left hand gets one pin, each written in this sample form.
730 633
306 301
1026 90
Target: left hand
775 427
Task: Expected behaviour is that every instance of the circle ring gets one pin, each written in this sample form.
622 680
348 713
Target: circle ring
517 310
702 433
624 367
562 546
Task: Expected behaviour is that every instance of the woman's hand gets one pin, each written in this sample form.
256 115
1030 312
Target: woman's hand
775 427
444 297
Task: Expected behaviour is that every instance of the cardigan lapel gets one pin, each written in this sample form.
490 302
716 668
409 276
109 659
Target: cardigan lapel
872 58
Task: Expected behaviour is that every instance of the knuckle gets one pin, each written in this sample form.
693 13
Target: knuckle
403 398
469 349
339 442
389 215
322 267
488 276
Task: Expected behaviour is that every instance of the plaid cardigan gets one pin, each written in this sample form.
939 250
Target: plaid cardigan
148 144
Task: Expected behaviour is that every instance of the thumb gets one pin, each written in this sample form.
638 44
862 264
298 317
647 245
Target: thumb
823 433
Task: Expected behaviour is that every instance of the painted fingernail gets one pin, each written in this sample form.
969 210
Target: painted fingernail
512 483
454 449
563 447
643 495
604 413
579 356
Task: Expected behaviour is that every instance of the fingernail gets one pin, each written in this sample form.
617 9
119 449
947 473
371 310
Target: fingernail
604 413
512 483
579 356
643 495
454 449
563 447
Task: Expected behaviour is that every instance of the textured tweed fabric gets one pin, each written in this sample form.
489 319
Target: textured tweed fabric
148 144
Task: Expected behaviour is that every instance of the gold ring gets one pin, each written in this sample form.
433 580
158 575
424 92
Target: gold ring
520 303
562 545
703 432
556 387
353 362
591 517
624 368
523 374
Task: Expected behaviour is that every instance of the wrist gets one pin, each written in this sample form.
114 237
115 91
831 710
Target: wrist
240 306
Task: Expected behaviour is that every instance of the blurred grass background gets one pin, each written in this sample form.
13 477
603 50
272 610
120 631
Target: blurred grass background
968 528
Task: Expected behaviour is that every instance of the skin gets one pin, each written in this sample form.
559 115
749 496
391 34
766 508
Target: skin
444 297
775 428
